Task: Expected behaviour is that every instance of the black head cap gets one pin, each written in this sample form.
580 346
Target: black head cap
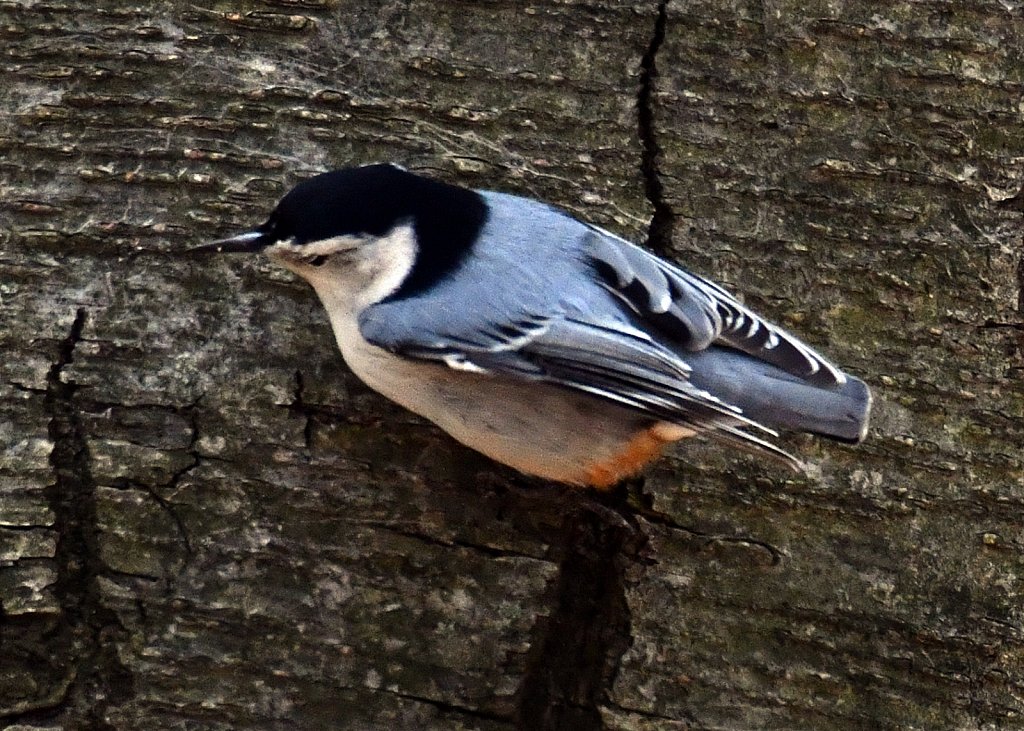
373 199
364 200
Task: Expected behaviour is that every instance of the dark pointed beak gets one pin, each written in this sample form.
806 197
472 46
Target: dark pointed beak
249 242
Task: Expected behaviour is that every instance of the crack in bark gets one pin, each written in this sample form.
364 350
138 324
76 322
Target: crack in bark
489 551
1020 286
646 511
84 645
682 718
445 706
192 413
659 232
991 324
576 651
168 507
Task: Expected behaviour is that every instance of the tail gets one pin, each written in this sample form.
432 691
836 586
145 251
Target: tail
777 399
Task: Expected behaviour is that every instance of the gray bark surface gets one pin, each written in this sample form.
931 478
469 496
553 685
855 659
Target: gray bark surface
206 522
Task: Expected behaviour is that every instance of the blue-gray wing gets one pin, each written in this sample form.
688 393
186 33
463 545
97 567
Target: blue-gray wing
611 361
697 313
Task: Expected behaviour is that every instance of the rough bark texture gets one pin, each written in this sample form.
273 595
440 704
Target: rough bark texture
206 522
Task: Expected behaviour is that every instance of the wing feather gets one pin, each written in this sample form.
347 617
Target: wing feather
622 365
699 312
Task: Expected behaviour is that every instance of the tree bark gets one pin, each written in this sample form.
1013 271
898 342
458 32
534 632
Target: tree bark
207 522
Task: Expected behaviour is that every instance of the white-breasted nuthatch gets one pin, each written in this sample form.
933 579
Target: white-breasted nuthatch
548 344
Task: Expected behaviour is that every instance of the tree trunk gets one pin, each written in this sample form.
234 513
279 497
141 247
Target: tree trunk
207 522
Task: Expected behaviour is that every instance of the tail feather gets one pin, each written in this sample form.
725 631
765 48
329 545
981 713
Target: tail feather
778 399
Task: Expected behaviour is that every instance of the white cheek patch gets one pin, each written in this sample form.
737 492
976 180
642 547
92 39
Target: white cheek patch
387 263
367 270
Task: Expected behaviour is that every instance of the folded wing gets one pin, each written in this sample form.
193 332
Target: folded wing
697 312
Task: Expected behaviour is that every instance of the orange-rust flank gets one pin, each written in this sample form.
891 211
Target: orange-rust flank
640 450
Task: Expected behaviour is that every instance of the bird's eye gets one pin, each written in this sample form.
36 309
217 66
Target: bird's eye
317 260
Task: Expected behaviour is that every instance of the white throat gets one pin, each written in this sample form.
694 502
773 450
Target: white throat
374 270
386 264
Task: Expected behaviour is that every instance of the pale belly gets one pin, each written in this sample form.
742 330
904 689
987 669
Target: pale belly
539 429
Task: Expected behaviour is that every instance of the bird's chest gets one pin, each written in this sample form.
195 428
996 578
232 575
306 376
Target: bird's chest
429 389
537 428
416 386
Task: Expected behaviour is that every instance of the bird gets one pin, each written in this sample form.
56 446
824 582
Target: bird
544 342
